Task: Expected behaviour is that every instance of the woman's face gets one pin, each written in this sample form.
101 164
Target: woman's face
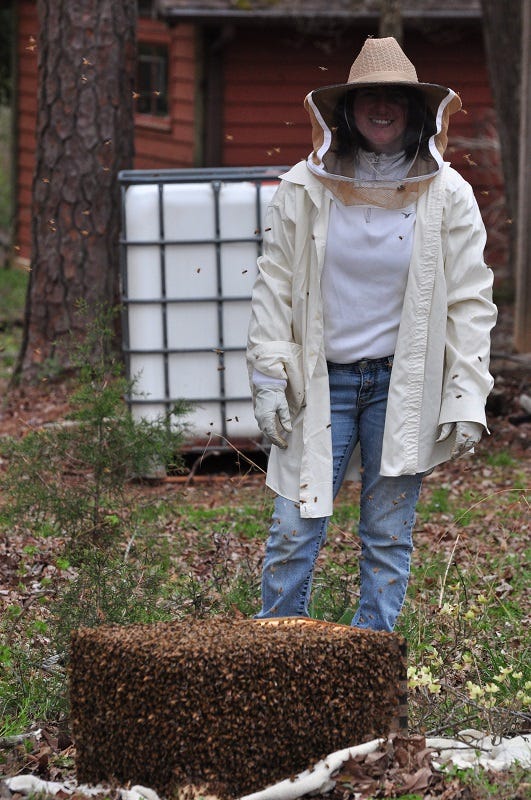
380 115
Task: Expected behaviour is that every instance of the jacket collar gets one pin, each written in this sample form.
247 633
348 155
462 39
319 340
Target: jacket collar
301 175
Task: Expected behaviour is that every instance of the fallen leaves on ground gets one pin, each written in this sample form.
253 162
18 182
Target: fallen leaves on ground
401 766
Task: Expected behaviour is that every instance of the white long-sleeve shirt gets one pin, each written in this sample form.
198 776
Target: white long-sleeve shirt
364 278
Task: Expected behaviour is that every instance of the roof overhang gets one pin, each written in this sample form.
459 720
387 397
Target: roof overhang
258 11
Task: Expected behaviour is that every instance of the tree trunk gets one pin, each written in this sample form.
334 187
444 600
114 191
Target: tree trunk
391 23
502 31
85 129
522 311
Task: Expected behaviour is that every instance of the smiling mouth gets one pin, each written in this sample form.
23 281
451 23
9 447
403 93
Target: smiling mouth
384 123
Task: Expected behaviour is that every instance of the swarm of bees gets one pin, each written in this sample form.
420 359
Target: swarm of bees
233 705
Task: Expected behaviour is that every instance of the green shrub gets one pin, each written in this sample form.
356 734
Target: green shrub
71 482
72 476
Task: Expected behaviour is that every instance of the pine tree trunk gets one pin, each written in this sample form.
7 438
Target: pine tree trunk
502 26
85 129
391 23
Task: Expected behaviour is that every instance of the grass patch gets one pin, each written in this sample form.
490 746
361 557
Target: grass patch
465 621
438 502
500 459
480 784
6 191
333 596
13 285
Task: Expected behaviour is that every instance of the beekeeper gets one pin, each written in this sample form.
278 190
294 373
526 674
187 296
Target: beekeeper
370 327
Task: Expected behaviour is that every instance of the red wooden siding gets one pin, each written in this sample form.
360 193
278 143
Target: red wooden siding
26 98
476 158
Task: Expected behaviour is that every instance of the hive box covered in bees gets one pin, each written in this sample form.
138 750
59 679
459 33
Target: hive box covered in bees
231 705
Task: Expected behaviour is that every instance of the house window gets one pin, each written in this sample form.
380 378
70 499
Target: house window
152 80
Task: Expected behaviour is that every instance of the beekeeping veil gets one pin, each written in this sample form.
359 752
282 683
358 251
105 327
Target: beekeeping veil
380 62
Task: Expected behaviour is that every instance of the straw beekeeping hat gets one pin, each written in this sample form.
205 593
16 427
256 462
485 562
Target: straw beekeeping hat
382 61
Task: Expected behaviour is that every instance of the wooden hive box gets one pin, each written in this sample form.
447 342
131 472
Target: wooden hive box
231 705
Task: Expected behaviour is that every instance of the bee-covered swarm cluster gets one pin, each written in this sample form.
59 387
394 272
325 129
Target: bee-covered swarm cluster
233 705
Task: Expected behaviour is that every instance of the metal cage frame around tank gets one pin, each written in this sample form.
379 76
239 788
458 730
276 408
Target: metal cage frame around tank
216 177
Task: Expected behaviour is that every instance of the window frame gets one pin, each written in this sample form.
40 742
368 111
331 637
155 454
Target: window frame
161 63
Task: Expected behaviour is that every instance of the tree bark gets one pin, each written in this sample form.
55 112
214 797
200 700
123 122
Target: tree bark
85 130
391 23
522 311
502 27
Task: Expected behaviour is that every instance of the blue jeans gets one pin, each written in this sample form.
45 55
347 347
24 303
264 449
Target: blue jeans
358 396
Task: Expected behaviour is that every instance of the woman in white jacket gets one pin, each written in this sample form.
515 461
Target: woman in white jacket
370 327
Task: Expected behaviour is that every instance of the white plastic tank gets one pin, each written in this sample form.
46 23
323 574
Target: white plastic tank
190 249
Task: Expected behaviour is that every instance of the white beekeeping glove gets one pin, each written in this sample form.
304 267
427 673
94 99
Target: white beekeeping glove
272 413
467 436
